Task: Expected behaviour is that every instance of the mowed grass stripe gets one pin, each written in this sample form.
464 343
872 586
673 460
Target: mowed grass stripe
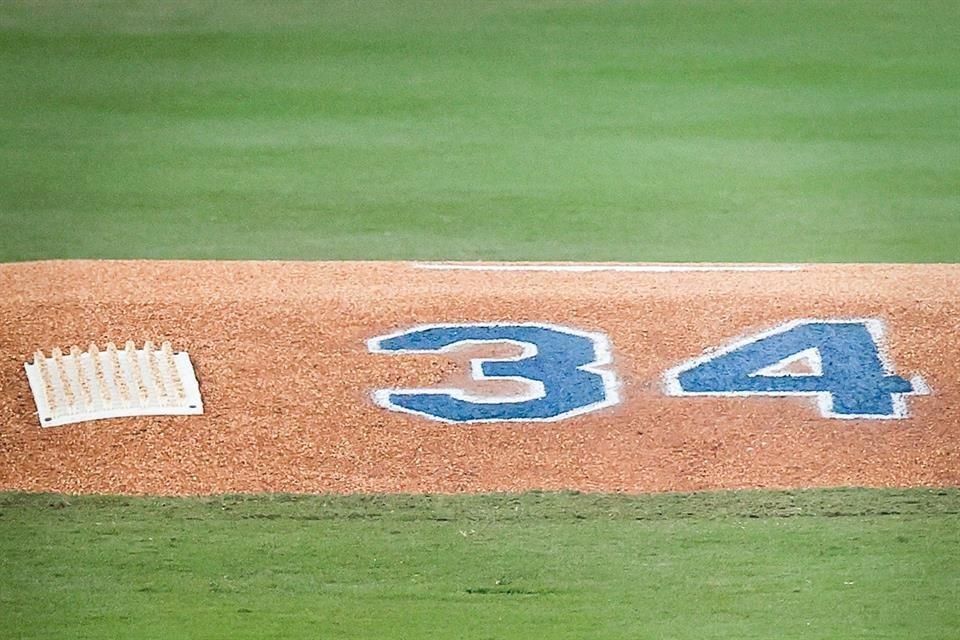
824 564
818 131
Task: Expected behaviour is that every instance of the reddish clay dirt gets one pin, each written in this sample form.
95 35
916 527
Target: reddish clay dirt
286 378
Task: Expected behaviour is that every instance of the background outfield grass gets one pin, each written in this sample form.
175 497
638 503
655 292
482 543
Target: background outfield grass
644 130
697 130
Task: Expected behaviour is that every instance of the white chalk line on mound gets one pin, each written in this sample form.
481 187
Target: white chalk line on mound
621 268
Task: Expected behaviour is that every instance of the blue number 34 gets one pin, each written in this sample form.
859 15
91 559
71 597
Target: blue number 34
839 362
560 368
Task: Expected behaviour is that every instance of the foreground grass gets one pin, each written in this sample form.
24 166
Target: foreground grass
656 130
816 564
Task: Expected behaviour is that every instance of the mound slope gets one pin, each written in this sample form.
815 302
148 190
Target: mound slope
287 376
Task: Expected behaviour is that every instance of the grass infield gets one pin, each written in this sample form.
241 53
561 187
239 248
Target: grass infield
804 564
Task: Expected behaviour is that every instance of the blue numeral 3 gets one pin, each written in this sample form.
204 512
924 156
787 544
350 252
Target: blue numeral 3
558 367
838 361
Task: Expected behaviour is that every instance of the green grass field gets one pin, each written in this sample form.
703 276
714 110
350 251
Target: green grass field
824 564
648 130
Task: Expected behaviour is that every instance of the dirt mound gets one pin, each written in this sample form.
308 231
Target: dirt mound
288 375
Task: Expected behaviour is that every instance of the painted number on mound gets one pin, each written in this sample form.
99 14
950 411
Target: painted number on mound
558 367
839 362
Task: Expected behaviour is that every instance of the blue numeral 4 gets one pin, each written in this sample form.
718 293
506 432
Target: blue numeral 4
840 362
